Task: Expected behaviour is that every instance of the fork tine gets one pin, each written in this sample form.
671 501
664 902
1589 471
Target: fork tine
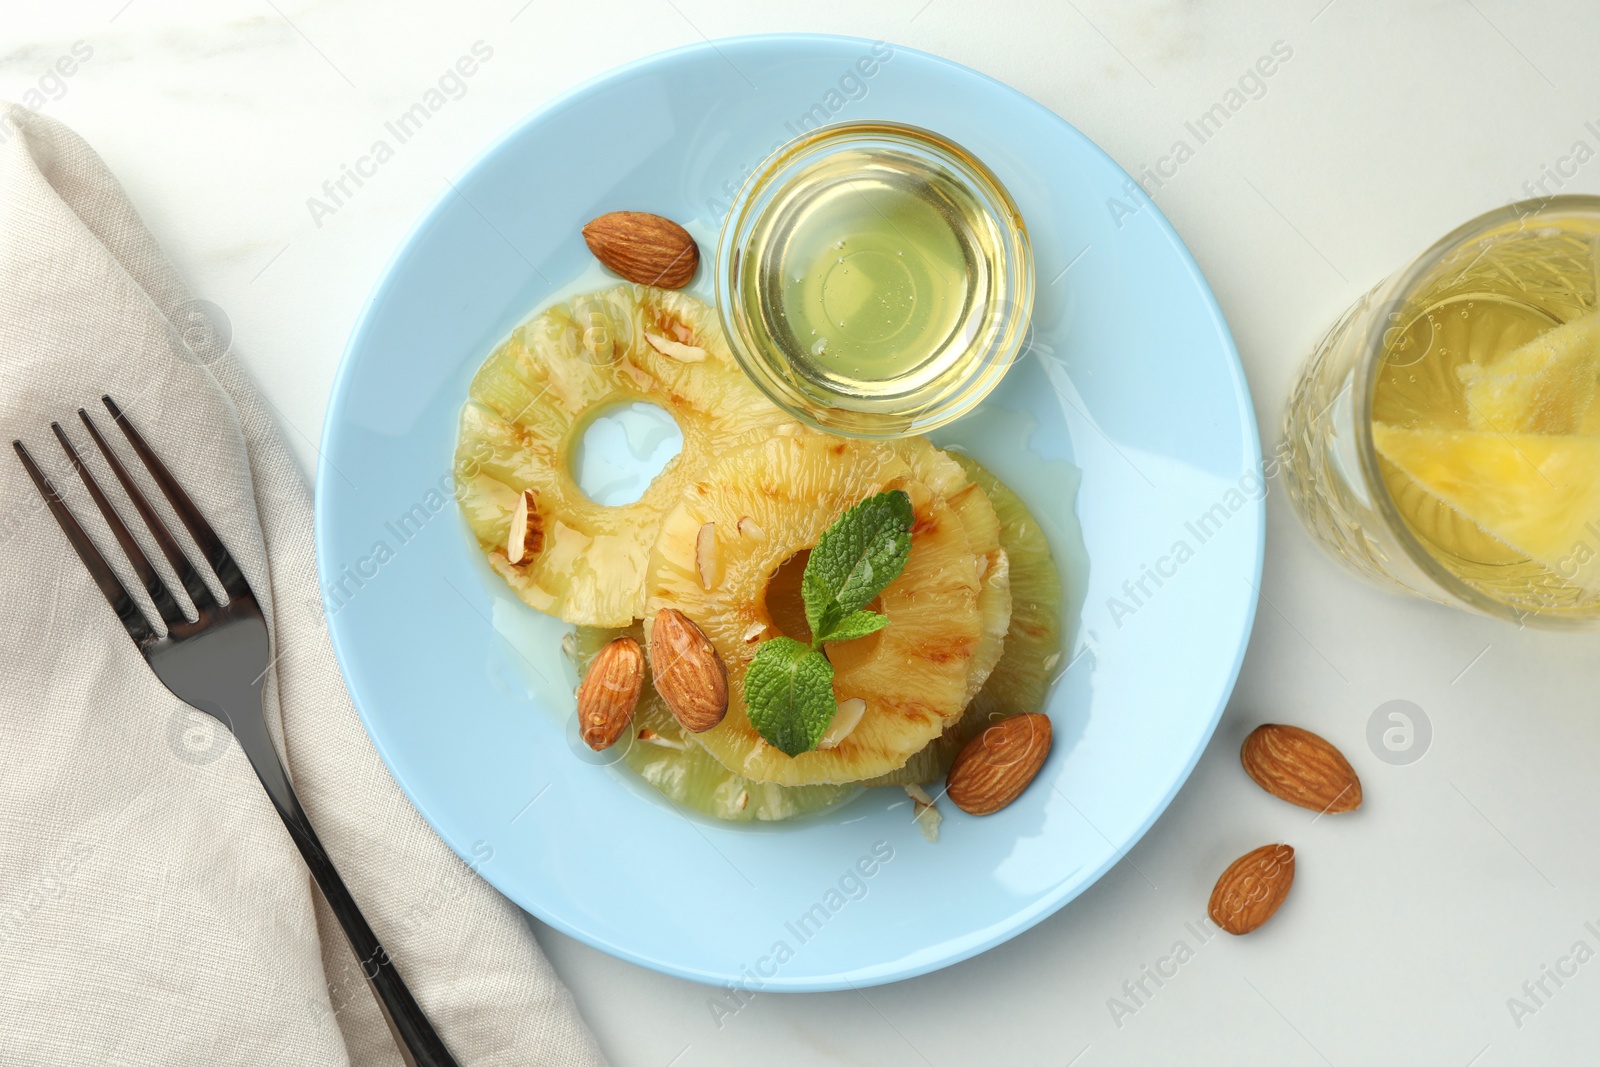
171 612
193 584
211 546
127 609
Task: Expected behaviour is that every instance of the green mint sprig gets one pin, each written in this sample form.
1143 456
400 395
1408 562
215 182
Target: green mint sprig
788 689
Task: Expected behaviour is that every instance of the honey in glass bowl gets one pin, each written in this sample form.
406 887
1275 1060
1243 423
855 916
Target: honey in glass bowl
874 279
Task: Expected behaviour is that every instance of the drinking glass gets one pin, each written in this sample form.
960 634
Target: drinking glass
1402 357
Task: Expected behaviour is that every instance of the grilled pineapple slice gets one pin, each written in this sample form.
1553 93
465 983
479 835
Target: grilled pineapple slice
740 522
947 478
530 404
1032 655
662 753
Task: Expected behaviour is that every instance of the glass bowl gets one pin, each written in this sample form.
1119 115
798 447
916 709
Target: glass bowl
912 214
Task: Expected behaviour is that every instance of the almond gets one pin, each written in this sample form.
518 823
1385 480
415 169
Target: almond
1298 766
1252 888
688 672
643 248
526 536
610 692
997 765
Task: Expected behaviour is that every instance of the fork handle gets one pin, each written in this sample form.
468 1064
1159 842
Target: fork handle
419 1044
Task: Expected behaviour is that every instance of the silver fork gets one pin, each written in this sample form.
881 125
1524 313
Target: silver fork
216 663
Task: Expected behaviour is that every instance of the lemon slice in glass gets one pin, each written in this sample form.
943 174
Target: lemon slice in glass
1537 493
1548 385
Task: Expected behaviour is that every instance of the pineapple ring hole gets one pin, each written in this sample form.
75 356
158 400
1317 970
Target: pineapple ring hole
787 610
622 449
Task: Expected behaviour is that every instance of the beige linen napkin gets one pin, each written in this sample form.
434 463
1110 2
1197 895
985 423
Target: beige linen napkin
152 907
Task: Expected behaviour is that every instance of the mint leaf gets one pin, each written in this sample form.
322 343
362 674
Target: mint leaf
788 694
788 687
858 624
862 552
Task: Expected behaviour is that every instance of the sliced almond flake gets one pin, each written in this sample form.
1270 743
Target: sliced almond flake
924 813
517 535
749 528
650 737
682 332
845 719
1051 660
744 798
676 349
705 555
754 630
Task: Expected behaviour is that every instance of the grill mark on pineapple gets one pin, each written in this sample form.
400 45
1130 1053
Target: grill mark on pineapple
956 498
954 652
943 650
534 539
915 710
644 383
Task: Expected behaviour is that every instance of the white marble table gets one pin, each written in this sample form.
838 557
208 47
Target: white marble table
1414 922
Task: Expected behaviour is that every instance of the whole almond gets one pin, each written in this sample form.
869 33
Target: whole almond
995 767
610 692
1298 766
687 671
644 248
1252 888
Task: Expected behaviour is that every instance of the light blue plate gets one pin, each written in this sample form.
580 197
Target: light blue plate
1133 380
